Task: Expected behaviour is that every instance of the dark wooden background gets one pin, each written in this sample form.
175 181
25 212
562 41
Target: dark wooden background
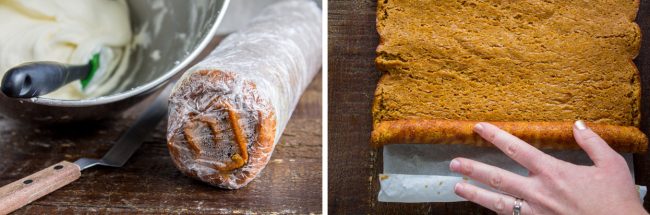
353 164
150 183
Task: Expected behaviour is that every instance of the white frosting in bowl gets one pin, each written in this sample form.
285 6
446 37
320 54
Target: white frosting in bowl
70 32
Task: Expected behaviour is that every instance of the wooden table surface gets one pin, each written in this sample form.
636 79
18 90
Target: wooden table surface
150 183
353 164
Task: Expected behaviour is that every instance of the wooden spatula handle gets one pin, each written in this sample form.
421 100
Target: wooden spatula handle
26 190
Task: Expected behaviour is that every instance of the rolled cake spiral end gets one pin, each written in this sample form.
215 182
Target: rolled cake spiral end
226 139
238 159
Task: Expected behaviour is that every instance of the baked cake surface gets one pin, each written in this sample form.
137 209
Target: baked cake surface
507 61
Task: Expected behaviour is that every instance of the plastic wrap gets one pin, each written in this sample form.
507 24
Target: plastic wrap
228 112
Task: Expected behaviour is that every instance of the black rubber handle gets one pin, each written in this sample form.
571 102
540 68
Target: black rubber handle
40 78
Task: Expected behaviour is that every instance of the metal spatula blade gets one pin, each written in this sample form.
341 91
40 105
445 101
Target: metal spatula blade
131 140
22 192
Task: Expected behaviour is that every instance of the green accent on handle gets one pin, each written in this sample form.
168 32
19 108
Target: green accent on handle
94 65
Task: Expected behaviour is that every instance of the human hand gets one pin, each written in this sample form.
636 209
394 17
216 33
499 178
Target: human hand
553 186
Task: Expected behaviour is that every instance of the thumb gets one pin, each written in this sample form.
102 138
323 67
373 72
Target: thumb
597 149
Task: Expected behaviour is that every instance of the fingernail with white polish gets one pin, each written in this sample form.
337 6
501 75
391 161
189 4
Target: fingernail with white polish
454 165
580 125
458 187
478 127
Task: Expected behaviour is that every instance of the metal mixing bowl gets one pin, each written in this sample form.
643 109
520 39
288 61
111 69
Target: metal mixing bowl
178 32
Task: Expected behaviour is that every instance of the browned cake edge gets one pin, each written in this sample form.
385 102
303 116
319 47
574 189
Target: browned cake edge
546 135
636 108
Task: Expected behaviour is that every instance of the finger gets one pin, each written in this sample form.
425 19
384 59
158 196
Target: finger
497 202
526 155
598 150
495 177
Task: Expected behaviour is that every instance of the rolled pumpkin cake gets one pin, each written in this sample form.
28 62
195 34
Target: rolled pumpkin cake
228 112
532 67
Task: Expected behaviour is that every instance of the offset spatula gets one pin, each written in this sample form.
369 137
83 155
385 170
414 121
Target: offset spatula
37 185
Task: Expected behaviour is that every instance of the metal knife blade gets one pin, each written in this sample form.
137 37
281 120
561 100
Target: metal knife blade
132 139
23 191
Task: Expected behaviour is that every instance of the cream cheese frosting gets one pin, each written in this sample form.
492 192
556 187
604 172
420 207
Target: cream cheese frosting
70 32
